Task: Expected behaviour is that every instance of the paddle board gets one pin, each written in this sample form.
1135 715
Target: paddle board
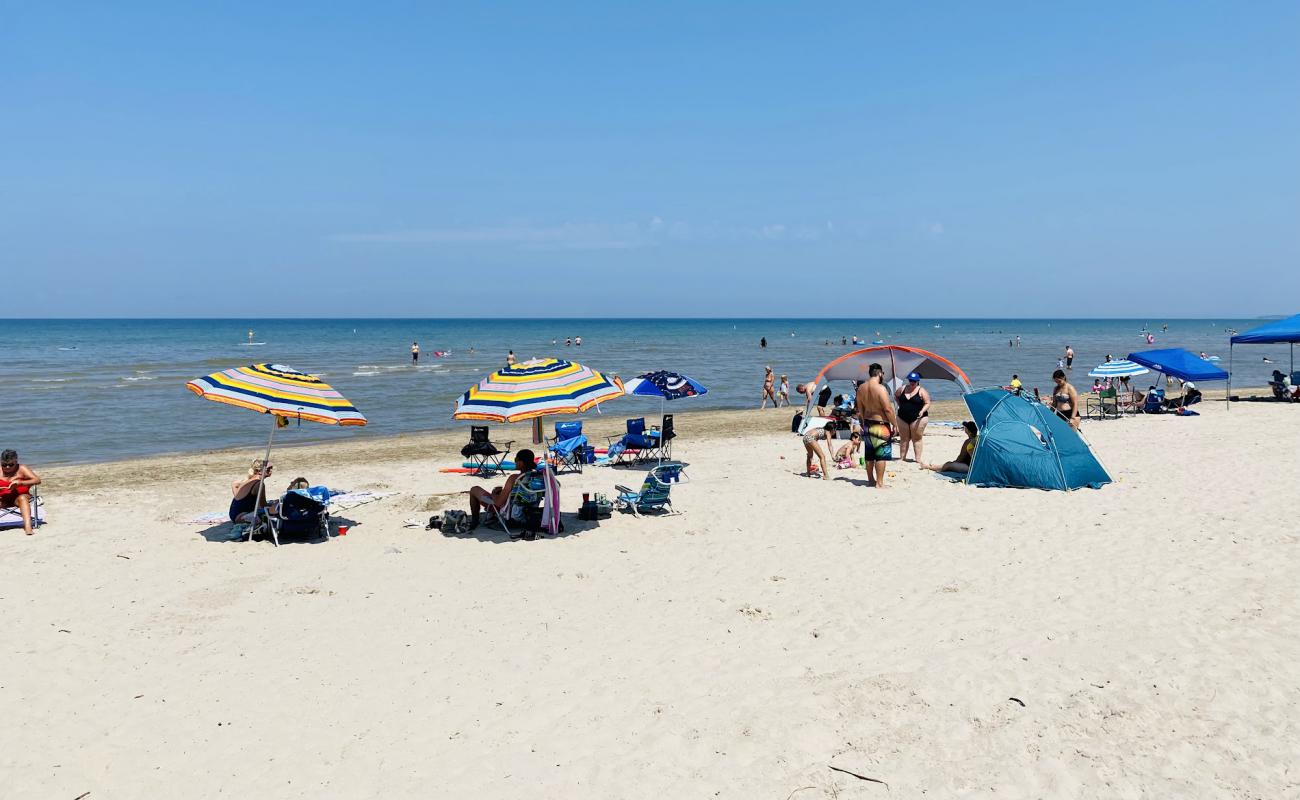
251 344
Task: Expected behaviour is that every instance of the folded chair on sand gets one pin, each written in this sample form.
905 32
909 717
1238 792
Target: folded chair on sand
300 512
656 490
661 440
484 452
567 447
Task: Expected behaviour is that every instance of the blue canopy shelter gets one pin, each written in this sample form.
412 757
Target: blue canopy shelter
1024 443
1178 363
1282 331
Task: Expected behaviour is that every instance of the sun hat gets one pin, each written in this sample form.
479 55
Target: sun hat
914 376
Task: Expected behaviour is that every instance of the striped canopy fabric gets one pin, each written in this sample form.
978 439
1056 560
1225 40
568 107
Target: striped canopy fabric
1118 369
279 390
535 389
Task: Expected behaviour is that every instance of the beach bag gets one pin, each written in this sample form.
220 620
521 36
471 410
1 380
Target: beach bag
451 523
797 422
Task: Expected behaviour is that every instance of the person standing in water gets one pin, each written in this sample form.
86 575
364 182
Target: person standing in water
1069 357
577 341
415 352
762 343
250 335
510 358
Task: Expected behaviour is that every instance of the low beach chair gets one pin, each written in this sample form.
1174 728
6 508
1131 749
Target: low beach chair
13 518
656 490
486 454
1154 402
300 512
567 448
524 507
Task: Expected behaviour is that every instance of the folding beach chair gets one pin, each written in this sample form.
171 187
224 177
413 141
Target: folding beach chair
300 512
632 445
661 440
567 448
486 454
524 506
1155 402
13 518
1103 404
656 490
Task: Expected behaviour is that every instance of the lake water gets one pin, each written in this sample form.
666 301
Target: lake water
94 390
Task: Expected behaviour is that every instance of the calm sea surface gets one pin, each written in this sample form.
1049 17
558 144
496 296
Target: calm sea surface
94 390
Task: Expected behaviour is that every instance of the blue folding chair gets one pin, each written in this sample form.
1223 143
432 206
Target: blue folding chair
567 448
634 444
656 490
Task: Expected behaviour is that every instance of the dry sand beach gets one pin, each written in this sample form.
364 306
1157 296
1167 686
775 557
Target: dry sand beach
781 637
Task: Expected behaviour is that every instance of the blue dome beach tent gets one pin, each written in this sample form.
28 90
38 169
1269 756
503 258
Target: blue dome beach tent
1023 443
1283 331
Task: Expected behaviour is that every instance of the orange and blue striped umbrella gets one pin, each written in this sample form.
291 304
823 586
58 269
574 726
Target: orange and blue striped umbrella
279 390
535 389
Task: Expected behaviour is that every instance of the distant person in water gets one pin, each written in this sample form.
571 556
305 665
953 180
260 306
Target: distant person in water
250 335
768 391
16 482
1069 357
577 341
763 342
415 352
568 341
510 358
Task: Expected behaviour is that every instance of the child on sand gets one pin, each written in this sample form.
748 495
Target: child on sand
783 396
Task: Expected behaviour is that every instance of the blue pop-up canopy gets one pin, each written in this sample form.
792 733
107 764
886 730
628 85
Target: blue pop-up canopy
1178 363
1282 331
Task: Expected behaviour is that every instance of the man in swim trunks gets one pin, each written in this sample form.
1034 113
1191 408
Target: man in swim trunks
876 413
415 352
16 482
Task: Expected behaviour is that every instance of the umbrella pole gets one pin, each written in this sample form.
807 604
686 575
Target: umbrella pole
261 484
537 430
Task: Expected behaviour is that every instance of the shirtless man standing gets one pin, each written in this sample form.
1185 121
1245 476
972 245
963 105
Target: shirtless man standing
876 413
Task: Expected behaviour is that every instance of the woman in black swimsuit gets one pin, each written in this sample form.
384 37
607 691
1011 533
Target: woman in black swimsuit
913 415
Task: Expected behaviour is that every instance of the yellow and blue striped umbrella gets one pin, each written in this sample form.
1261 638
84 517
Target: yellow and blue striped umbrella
535 389
279 390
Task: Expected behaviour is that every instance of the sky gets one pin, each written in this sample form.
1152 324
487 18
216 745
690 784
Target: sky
650 159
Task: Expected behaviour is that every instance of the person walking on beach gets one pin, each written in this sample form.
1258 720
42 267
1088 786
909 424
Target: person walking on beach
1069 357
783 396
768 391
913 415
415 353
876 413
1065 399
16 482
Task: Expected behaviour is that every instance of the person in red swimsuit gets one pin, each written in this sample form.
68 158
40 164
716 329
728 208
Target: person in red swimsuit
16 482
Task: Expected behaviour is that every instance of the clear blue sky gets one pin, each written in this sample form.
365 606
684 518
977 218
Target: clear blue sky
890 159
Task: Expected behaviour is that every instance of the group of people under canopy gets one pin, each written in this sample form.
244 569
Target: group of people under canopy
890 402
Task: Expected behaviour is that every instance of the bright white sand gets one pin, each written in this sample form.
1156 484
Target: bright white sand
778 626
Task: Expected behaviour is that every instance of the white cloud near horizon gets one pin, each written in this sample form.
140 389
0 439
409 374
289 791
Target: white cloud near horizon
591 235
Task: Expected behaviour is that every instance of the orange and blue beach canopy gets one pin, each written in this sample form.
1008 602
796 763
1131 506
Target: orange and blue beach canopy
279 390
536 388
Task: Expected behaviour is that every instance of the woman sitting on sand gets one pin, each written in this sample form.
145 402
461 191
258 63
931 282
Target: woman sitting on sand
246 491
499 496
962 462
812 445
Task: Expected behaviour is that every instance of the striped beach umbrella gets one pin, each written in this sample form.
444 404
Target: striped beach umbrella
282 392
535 389
1118 369
279 390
